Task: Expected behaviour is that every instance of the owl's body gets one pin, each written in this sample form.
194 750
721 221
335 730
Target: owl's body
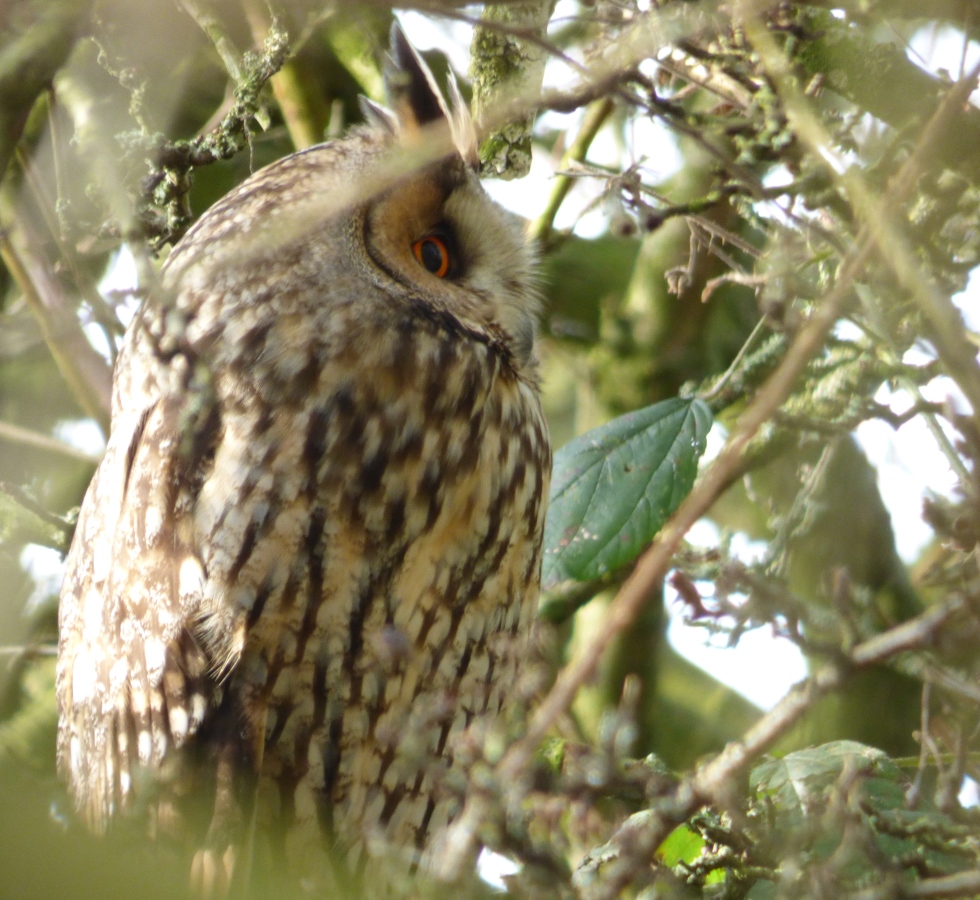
311 553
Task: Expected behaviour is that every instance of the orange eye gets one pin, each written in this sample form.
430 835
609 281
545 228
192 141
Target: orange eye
431 251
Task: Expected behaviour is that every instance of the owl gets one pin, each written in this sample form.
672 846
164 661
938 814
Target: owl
311 554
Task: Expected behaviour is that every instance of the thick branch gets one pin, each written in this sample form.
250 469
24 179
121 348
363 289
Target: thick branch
505 67
879 77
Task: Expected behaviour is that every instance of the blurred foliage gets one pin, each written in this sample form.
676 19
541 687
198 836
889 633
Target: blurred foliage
844 806
121 122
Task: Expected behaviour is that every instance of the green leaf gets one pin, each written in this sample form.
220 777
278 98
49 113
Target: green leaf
799 781
681 845
614 487
800 785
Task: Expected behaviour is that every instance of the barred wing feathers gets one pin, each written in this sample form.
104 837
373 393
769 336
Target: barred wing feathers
133 680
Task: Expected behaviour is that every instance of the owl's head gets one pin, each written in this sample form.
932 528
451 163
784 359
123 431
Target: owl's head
397 202
436 231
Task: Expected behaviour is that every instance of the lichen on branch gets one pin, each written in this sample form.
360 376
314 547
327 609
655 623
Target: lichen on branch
507 69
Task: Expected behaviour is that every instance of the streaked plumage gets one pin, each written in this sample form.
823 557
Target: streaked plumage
312 549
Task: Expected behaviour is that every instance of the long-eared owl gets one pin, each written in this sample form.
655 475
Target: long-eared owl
311 554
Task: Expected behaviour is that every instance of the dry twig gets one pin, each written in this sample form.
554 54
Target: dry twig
650 570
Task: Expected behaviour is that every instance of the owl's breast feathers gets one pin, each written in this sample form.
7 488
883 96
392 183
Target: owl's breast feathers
329 529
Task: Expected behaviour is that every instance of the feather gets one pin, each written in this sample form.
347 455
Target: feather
128 662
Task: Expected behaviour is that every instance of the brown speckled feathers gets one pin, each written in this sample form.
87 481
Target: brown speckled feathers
311 553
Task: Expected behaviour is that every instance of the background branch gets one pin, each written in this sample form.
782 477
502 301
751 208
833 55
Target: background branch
653 565
635 842
45 36
505 67
18 435
85 371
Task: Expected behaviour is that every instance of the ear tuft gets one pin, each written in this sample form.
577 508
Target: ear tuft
464 132
416 99
412 91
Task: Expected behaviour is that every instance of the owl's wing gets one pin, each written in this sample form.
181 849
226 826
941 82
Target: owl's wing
132 679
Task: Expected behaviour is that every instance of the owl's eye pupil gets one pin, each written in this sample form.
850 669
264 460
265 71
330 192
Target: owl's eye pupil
431 251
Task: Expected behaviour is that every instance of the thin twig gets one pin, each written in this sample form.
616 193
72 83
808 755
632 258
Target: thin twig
799 519
920 404
962 884
947 324
28 650
458 848
104 315
16 434
639 837
20 497
641 44
742 278
719 385
87 374
595 117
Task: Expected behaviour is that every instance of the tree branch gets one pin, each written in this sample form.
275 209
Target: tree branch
879 77
230 55
595 117
949 335
635 842
85 371
652 566
22 521
962 884
304 112
503 67
28 64
17 435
